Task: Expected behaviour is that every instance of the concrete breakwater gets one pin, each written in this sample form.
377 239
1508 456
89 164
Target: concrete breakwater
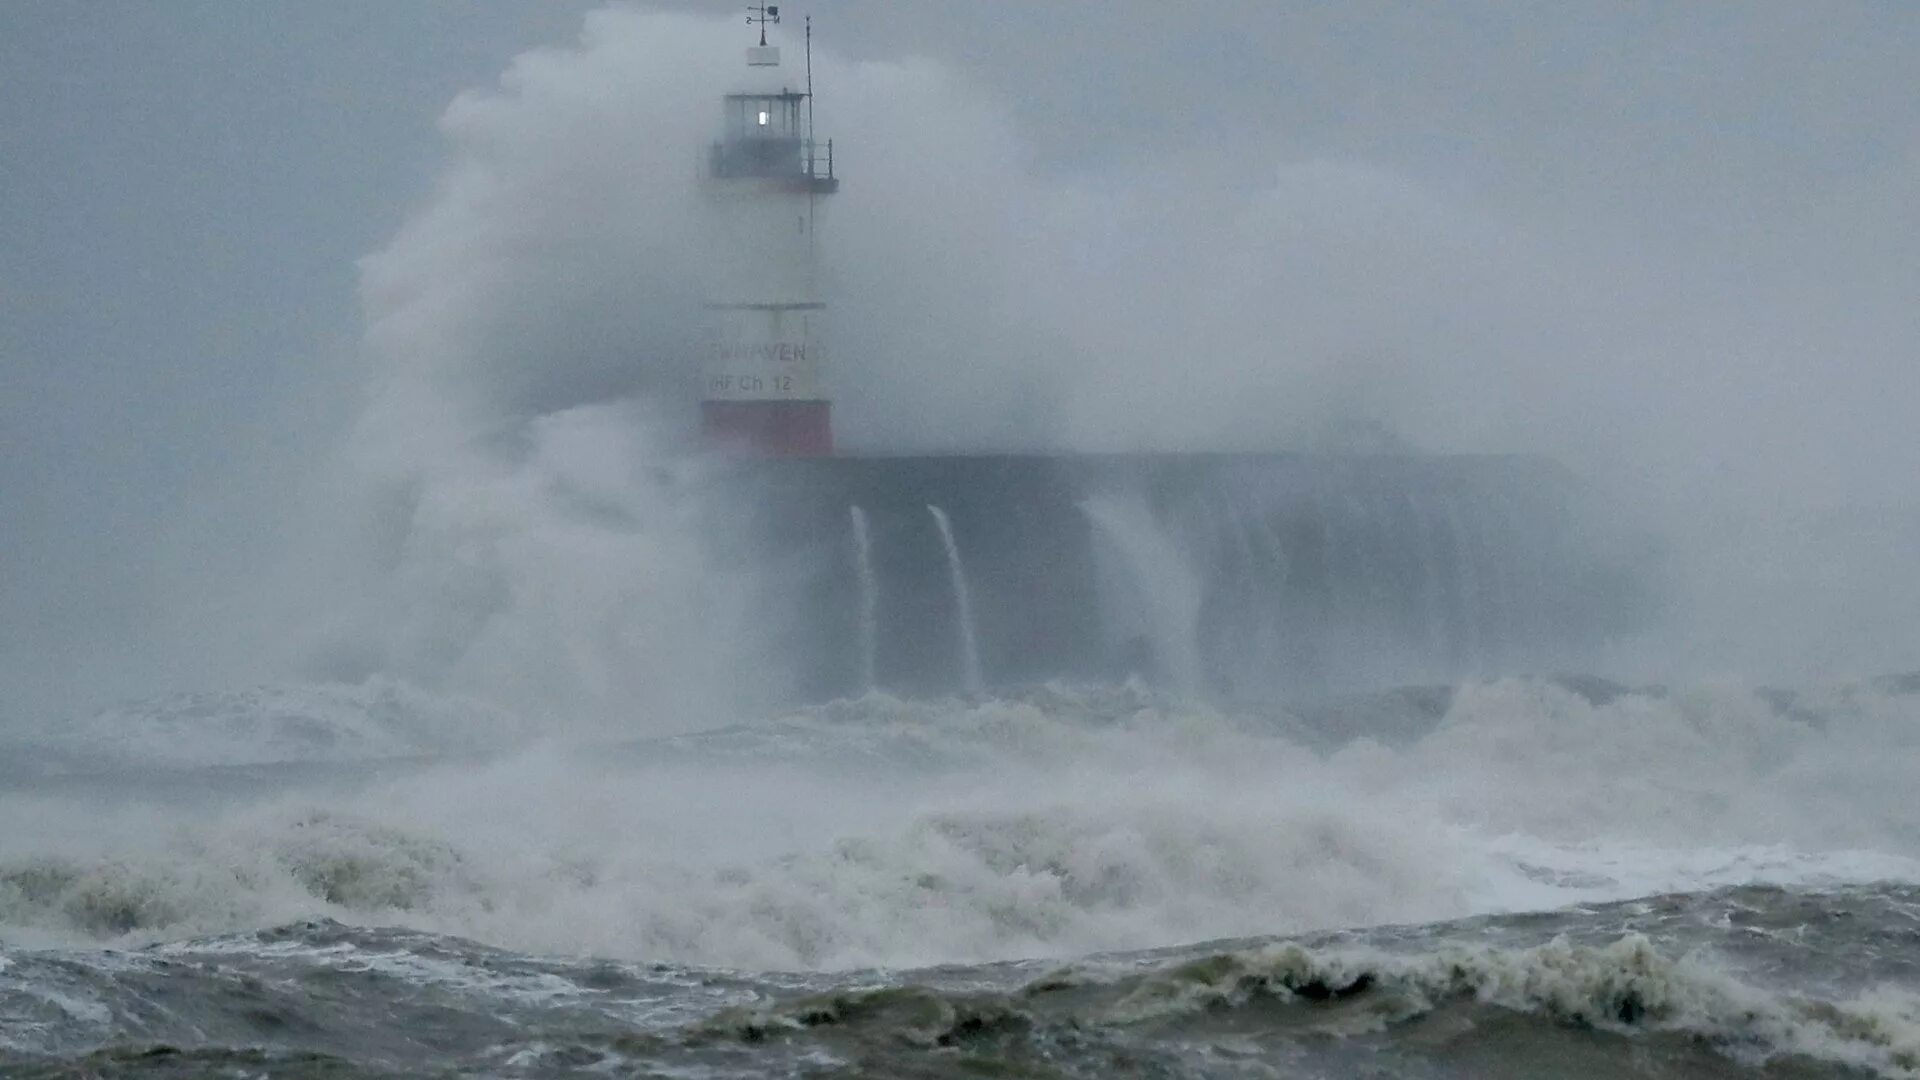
1252 576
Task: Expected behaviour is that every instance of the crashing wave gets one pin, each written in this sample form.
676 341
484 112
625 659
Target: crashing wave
1293 1001
274 724
1057 823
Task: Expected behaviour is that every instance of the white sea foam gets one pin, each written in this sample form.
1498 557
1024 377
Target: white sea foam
882 832
1625 985
279 723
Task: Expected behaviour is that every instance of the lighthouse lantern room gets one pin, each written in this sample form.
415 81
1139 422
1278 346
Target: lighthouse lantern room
766 179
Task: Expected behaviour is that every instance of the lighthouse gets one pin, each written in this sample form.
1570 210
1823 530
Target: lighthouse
766 181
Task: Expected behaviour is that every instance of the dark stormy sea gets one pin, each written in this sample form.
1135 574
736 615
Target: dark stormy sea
1524 877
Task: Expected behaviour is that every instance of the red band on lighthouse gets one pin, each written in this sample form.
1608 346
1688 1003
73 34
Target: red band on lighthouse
773 428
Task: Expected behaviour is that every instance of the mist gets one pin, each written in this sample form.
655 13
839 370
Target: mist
1674 252
1377 537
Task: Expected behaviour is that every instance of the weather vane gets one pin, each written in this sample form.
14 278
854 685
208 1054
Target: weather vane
763 14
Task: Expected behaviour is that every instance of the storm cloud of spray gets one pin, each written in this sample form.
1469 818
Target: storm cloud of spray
526 531
1672 246
977 301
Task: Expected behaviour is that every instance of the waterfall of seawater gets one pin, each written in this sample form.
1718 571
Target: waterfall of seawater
1263 585
1167 587
962 602
1431 580
869 597
1521 582
1532 579
1469 591
1339 583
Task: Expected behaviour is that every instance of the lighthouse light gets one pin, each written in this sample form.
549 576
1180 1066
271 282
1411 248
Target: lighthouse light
765 117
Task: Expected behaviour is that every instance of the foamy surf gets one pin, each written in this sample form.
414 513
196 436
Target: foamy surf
941 850
268 725
1069 820
1648 988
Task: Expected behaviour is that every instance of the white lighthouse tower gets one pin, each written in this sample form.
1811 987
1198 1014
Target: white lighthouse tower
766 177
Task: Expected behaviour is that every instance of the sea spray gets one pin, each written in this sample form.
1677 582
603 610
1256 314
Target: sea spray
1431 581
1621 989
1163 583
1469 595
963 604
1065 821
869 586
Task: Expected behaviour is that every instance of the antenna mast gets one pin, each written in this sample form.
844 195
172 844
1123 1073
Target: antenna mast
809 21
763 14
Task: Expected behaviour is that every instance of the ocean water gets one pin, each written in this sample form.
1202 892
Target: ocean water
1521 877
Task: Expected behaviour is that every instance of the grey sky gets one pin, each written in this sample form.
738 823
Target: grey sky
185 188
